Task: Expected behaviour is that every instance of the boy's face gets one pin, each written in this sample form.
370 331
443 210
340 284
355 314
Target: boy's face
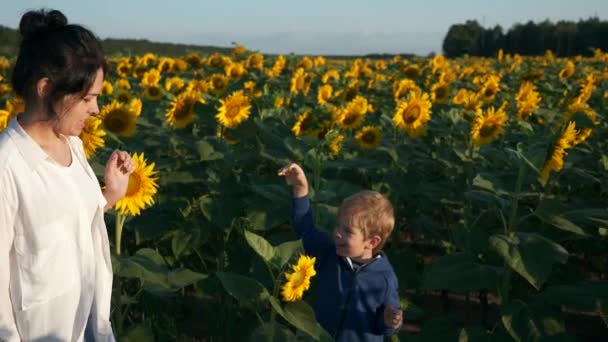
351 242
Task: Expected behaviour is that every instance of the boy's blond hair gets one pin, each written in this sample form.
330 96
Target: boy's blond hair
369 211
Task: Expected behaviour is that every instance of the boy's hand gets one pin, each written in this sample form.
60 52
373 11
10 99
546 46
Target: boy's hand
295 176
392 317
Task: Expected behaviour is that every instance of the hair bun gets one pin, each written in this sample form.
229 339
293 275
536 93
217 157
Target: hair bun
36 22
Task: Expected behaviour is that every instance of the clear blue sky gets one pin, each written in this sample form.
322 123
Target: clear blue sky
303 27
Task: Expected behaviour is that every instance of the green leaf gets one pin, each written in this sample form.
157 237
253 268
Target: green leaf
284 252
266 330
301 315
207 152
531 322
460 272
184 277
244 289
260 245
530 255
139 333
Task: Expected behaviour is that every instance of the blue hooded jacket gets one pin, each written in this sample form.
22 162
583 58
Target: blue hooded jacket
349 301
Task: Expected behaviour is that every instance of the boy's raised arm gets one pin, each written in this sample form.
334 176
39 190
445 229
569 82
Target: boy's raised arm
315 242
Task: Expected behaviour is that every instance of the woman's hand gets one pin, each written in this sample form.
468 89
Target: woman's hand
118 169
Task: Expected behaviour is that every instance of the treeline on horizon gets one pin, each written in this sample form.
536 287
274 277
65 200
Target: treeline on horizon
564 38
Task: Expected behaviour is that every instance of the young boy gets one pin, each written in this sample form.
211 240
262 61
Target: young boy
356 291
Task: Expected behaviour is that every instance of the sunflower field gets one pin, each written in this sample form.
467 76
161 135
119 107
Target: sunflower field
497 169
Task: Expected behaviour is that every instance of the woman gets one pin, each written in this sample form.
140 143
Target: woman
55 271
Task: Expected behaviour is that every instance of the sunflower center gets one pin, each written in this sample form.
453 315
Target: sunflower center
349 119
116 121
298 279
123 98
411 114
153 91
134 184
233 112
369 137
487 130
182 111
440 92
489 92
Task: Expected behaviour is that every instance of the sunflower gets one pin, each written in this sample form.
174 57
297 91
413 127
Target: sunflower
336 144
239 49
218 83
490 89
440 92
324 94
165 65
234 110
527 100
411 71
354 113
489 126
4 119
123 69
141 189
123 97
181 113
255 61
303 125
119 119
368 137
92 136
106 88
330 75
217 61
123 84
413 115
150 78
153 92
555 162
299 280
235 70
403 87
277 68
567 71
298 81
460 97
174 85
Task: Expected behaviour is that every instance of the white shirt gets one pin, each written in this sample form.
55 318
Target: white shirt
55 267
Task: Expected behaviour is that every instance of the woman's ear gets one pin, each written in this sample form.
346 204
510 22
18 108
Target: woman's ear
43 87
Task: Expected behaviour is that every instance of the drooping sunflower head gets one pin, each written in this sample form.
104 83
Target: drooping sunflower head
174 85
235 109
335 145
141 189
488 126
324 94
298 281
118 118
567 71
181 112
304 125
413 115
368 137
92 136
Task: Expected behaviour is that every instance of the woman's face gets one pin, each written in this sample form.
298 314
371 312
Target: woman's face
74 110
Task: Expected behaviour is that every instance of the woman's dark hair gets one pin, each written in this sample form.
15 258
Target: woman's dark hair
68 55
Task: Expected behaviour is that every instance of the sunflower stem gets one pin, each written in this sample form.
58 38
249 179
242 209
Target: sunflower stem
120 221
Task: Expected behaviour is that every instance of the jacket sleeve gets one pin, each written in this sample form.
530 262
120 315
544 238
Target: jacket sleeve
8 209
392 299
316 242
